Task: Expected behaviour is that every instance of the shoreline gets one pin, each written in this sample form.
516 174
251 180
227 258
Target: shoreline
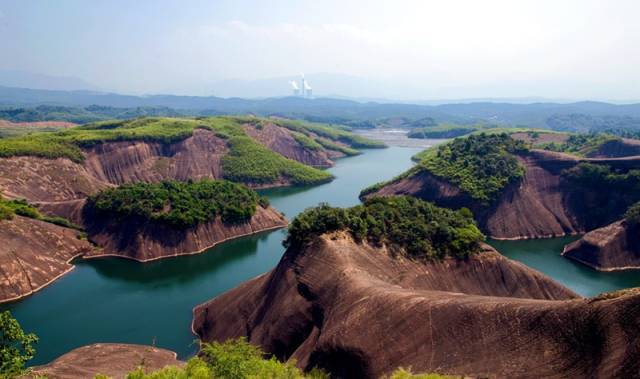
90 257
33 291
83 256
523 238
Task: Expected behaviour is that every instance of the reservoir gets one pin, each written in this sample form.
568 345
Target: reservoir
118 300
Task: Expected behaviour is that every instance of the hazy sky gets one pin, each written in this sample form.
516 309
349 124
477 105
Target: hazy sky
416 49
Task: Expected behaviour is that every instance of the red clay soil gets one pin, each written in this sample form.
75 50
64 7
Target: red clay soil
110 359
33 254
150 242
359 312
610 248
281 141
541 205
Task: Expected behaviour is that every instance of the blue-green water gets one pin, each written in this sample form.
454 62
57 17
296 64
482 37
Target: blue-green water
117 300
544 255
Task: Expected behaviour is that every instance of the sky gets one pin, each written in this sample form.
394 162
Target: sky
569 49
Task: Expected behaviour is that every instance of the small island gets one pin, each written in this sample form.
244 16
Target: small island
144 221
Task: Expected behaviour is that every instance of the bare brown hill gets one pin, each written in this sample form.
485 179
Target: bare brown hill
359 312
110 359
610 248
34 253
542 204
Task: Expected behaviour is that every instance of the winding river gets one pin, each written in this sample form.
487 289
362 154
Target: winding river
116 300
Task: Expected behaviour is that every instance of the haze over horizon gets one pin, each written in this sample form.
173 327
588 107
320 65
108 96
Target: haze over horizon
412 50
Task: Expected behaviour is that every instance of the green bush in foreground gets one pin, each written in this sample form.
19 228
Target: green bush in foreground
421 229
16 346
481 165
235 359
178 204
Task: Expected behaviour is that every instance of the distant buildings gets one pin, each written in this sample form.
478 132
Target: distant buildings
303 89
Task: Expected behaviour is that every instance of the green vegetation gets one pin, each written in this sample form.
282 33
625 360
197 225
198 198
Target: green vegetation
481 165
632 215
305 141
581 144
81 115
407 374
327 144
418 228
9 208
250 162
16 346
247 160
334 133
444 131
232 359
177 204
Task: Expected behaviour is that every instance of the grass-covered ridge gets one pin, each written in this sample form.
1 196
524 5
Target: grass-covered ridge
250 162
581 144
420 229
480 165
445 131
177 204
10 208
247 160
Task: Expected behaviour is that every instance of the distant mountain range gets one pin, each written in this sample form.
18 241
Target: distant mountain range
25 79
322 109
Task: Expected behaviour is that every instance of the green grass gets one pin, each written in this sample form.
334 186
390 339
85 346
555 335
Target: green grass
250 162
419 229
307 142
445 131
10 208
334 133
177 204
327 144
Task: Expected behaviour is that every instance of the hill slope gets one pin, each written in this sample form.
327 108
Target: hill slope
357 311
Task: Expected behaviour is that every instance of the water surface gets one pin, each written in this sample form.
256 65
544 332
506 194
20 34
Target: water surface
118 300
544 255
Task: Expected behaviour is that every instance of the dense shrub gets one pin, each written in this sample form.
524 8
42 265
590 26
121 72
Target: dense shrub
177 204
481 165
232 359
16 346
421 229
